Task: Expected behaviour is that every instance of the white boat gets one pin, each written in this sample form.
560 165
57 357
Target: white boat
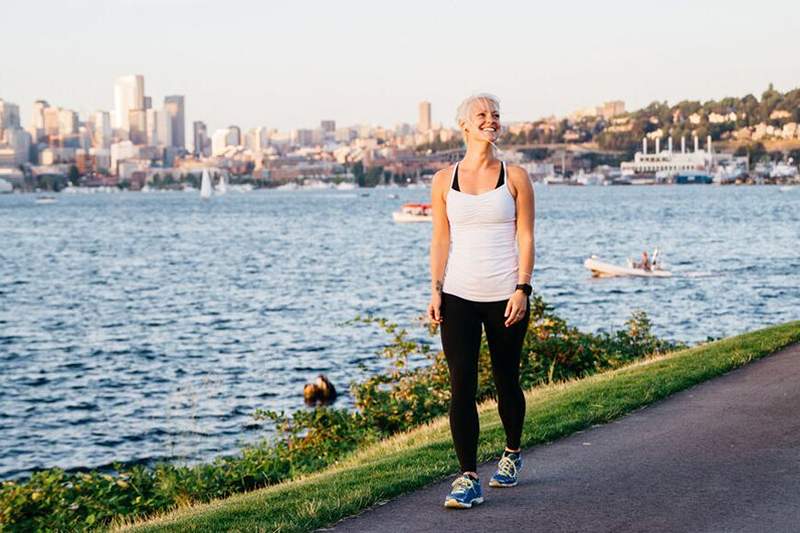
414 213
346 186
600 269
222 186
786 188
205 186
5 187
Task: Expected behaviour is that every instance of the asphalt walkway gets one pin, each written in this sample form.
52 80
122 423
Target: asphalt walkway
721 456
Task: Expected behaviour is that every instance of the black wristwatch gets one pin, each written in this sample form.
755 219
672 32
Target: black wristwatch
525 287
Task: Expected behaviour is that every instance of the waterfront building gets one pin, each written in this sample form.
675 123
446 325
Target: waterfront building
200 138
665 164
128 95
174 105
424 123
101 122
328 126
148 102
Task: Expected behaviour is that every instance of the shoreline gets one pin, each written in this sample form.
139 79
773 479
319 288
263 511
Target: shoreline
415 458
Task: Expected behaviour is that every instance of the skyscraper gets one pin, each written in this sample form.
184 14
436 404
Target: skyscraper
159 128
200 137
174 106
128 96
9 116
137 126
424 123
102 129
67 122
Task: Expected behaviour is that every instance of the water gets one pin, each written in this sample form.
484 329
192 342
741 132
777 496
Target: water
139 327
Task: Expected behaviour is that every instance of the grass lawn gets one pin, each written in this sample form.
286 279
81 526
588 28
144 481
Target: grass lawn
414 459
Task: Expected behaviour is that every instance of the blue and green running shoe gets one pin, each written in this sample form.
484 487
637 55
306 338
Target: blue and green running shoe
507 470
464 493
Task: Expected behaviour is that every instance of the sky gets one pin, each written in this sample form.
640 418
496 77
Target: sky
290 64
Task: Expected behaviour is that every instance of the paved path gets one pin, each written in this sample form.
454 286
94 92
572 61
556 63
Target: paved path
721 456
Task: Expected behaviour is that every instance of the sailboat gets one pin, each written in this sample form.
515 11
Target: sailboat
222 186
205 186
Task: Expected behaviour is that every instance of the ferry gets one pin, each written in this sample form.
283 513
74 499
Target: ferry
414 213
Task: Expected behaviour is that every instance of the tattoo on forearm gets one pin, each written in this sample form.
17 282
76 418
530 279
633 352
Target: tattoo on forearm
438 285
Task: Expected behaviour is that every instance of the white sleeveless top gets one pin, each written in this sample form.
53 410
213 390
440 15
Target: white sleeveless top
483 262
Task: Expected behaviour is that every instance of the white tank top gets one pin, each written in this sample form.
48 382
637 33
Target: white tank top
483 262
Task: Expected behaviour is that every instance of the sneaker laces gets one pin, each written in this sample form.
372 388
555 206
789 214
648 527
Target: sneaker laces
507 467
463 482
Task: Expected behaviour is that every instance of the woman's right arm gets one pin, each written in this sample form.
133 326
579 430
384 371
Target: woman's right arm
440 242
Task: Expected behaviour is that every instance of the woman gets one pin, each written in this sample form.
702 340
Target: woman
481 264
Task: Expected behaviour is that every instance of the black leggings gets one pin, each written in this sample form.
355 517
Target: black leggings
461 341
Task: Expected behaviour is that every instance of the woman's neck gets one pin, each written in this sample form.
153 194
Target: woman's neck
479 155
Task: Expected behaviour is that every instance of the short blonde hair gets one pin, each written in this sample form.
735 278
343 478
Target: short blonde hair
462 113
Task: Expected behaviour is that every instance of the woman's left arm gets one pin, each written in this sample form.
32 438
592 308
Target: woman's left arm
526 212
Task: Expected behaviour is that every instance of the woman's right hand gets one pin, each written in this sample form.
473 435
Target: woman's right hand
435 308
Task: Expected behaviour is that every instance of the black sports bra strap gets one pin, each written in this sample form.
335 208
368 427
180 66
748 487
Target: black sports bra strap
500 179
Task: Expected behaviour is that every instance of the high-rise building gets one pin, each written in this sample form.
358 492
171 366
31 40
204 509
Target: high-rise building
220 141
424 123
328 126
101 120
200 137
9 116
37 120
234 136
137 126
128 95
67 122
19 142
174 106
256 139
148 102
159 128
51 121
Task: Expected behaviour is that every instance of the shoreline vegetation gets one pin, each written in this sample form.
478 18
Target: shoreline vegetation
330 444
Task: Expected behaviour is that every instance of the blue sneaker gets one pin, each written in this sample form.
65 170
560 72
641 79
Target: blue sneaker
465 492
507 470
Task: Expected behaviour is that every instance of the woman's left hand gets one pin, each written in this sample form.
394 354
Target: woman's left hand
515 308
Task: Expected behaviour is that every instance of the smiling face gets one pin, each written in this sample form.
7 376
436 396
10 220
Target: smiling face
484 121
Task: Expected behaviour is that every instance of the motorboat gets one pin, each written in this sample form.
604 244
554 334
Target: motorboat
601 269
45 199
414 213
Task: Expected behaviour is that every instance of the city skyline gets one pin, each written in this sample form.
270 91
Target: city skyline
290 66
